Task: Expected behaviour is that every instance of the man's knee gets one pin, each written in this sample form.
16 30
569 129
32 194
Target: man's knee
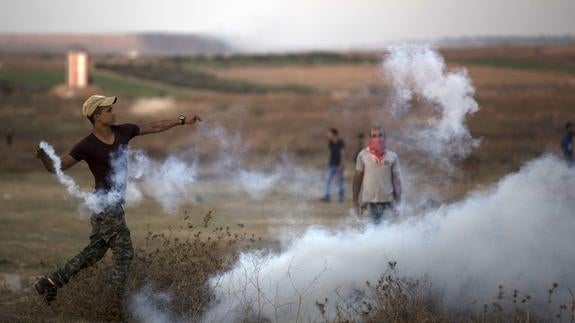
129 252
124 249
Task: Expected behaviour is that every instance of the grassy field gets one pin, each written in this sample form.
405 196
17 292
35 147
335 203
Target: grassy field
192 78
524 103
42 80
33 79
523 64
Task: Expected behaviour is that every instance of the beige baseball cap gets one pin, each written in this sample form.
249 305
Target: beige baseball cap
96 101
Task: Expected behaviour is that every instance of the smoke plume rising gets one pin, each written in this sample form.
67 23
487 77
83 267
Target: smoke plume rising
518 235
418 73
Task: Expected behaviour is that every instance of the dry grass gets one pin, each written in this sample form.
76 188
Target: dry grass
397 299
325 77
172 270
179 262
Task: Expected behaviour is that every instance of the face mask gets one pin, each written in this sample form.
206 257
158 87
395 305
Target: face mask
377 149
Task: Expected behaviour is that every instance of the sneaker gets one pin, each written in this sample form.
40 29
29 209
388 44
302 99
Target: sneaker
324 199
47 288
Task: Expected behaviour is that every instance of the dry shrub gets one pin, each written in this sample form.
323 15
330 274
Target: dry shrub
402 299
179 262
182 264
392 299
520 307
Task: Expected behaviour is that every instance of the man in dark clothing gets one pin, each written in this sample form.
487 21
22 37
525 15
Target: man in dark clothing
360 145
335 166
567 144
9 136
102 151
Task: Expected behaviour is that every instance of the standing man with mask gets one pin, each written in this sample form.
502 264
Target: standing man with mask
336 165
109 229
377 178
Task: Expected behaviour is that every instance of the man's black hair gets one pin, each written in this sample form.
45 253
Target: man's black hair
98 110
334 131
568 125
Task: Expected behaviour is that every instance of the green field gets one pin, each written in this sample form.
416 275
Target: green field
33 79
523 64
40 80
133 87
165 71
315 58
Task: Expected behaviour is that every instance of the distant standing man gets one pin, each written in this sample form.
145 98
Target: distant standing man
9 136
336 165
377 178
109 229
567 144
360 145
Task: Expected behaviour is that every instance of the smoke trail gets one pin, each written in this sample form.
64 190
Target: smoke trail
257 184
134 175
168 182
286 177
518 234
95 202
419 73
229 162
227 148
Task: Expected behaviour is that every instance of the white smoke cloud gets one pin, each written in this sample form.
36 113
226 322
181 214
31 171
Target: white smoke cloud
168 182
229 147
134 175
275 174
518 234
418 72
286 177
256 183
150 306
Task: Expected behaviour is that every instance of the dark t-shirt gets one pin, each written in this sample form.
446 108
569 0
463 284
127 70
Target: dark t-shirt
335 149
98 155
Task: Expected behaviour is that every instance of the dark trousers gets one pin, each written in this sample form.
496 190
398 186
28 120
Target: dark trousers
334 173
109 231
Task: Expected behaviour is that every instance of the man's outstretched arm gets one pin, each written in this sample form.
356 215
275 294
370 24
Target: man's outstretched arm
159 126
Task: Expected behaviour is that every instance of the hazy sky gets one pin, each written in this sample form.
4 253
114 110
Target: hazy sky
297 24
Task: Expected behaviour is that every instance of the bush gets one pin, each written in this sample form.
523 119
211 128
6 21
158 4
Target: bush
178 263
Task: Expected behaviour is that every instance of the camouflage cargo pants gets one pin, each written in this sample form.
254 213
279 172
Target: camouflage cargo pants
109 231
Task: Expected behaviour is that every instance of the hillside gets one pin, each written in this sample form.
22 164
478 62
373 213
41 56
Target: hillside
118 44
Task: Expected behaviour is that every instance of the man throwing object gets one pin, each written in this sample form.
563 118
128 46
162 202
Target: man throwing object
109 229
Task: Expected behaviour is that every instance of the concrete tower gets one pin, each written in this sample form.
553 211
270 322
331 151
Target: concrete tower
78 69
